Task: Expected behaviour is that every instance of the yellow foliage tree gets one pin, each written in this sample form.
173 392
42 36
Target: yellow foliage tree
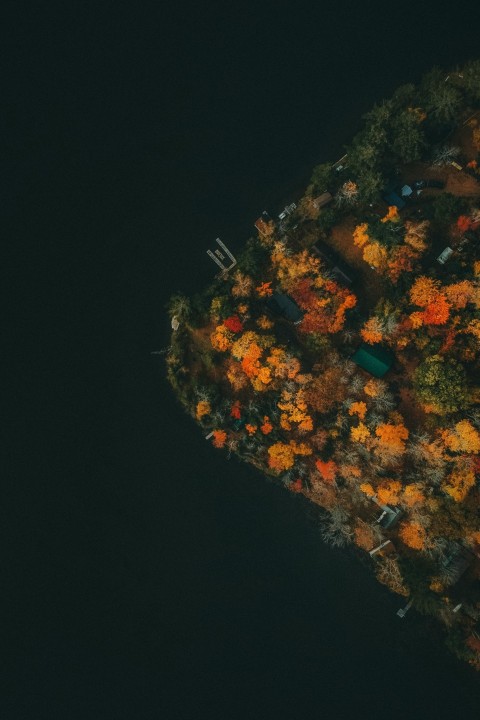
359 433
463 438
412 534
388 492
392 215
392 437
221 338
203 408
358 408
360 235
375 255
424 291
459 482
372 331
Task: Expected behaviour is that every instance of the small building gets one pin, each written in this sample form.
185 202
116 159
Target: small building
265 225
444 255
341 272
374 359
322 200
283 305
406 191
392 198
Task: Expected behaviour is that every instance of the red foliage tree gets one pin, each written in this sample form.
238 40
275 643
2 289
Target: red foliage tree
233 323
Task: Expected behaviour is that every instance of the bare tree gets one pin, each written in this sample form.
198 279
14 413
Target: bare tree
445 154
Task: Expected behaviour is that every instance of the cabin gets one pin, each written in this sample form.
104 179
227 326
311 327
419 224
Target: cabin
322 200
392 198
265 225
444 255
283 305
341 272
375 359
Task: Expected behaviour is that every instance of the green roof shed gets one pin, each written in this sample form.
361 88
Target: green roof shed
374 359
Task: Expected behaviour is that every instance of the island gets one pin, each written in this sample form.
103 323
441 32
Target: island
339 353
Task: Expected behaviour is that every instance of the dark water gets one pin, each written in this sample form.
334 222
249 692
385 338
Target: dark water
143 575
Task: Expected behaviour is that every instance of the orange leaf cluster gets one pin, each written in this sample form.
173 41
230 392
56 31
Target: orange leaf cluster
360 235
219 438
424 290
294 411
392 215
464 438
280 457
358 408
459 482
327 470
375 255
388 492
221 338
251 429
203 408
372 388
413 535
267 427
360 433
392 436
264 289
412 495
437 312
372 331
460 293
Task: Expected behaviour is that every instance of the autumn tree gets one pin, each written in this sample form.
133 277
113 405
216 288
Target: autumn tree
412 534
464 438
392 437
440 384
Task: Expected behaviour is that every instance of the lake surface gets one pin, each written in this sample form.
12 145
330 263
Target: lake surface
145 576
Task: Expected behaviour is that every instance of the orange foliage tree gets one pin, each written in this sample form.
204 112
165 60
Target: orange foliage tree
327 470
388 492
392 437
463 438
372 331
412 534
219 438
360 235
203 408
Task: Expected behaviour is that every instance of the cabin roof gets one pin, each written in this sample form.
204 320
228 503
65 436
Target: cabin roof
284 305
374 359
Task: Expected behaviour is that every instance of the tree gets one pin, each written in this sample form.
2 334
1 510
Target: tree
471 80
348 194
280 457
441 99
441 384
203 408
179 306
412 534
445 154
375 255
327 470
219 438
373 330
322 177
424 291
389 574
392 437
360 235
459 482
407 136
464 438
